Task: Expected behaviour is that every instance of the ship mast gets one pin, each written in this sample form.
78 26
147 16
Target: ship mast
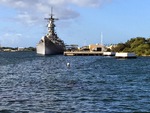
51 25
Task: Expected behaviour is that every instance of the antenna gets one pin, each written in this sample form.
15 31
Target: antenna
101 38
51 11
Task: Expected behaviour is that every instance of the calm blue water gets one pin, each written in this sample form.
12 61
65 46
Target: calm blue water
35 84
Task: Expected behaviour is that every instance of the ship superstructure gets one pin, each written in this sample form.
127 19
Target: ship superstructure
50 44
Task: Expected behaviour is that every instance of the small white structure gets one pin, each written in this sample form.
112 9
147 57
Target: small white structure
125 55
7 50
96 47
109 53
20 48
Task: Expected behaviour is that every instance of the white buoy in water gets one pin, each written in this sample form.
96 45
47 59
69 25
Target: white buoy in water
68 64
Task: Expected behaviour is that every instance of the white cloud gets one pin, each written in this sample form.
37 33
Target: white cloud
20 4
42 8
89 3
29 9
58 2
32 12
26 18
15 3
16 40
10 40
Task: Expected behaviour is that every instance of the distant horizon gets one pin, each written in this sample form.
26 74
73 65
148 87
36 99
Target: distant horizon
77 44
80 22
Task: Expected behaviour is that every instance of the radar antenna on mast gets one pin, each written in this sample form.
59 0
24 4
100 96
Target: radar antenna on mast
51 16
51 12
101 38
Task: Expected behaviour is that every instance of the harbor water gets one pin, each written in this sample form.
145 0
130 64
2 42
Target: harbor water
30 83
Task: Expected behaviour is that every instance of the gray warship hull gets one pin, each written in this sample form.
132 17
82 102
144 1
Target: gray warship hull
47 47
50 44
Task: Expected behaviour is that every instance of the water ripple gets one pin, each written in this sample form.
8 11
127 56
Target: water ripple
33 84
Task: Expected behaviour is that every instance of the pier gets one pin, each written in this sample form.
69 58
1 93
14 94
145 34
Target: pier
125 55
83 53
99 53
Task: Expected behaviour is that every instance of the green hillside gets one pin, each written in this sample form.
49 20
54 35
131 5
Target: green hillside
139 45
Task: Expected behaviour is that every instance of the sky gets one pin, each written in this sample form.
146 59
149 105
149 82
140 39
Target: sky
81 22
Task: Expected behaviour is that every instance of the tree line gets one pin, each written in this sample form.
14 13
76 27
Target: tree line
139 45
16 48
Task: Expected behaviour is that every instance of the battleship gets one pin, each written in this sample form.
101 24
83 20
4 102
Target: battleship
50 44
